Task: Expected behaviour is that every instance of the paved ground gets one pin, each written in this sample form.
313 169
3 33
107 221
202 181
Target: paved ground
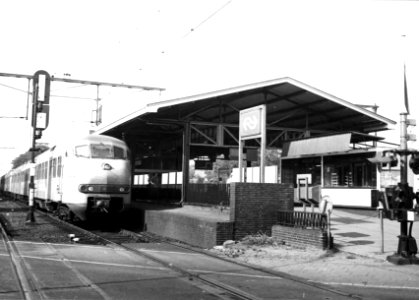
360 261
359 232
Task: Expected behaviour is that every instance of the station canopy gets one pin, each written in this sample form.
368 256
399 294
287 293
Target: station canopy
294 111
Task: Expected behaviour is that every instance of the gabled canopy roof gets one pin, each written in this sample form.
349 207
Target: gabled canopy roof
290 105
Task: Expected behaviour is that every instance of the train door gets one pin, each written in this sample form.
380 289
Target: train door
49 179
60 174
26 183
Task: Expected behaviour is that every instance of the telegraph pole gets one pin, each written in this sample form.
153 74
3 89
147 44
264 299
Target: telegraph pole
40 116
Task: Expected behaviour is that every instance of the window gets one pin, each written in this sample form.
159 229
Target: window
59 167
349 171
101 151
54 168
83 151
50 168
119 153
45 169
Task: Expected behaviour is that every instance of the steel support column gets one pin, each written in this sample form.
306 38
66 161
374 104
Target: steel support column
185 160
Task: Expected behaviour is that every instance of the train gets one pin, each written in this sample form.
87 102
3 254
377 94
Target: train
77 180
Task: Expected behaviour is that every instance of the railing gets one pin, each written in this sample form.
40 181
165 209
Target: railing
200 194
302 219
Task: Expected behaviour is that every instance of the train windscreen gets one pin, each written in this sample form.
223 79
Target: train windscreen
101 151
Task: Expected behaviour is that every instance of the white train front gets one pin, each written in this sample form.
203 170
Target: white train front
88 177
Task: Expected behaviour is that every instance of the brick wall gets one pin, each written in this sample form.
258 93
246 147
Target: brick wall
300 237
254 206
207 194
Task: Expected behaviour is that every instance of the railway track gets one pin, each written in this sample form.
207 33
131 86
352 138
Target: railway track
124 237
164 252
23 286
73 234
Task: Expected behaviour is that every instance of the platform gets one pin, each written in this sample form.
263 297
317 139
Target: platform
200 226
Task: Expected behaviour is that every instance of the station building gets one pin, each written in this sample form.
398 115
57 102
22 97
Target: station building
185 152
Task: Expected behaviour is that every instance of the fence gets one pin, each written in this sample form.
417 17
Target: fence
302 219
197 193
303 229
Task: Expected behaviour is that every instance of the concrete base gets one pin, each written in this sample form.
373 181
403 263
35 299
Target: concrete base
406 251
398 259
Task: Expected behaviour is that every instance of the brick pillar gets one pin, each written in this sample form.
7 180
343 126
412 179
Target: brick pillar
254 206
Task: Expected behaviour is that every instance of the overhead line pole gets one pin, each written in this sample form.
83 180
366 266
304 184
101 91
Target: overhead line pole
85 82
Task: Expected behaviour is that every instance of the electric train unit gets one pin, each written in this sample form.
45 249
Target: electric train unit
87 178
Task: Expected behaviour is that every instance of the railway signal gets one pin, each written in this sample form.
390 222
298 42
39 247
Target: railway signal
40 117
41 95
407 248
398 201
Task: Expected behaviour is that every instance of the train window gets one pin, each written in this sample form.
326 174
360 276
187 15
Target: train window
44 171
59 167
83 151
54 168
119 153
50 168
38 171
101 151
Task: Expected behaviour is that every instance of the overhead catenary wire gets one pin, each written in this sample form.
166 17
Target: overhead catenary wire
193 29
28 92
13 88
168 46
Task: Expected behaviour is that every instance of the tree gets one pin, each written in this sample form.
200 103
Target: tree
26 157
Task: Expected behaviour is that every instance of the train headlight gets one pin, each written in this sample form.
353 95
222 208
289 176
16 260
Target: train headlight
83 188
124 189
104 189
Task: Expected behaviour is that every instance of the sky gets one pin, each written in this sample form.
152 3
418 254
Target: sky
354 50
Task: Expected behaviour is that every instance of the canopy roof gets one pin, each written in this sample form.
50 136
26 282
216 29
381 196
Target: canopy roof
291 105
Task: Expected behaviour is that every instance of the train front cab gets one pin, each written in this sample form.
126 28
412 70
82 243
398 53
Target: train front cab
97 178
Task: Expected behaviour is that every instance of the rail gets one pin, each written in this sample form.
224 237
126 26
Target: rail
302 219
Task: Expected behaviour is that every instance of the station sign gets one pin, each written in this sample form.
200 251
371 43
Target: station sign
252 125
252 122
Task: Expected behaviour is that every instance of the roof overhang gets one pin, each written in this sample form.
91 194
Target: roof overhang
290 104
326 145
